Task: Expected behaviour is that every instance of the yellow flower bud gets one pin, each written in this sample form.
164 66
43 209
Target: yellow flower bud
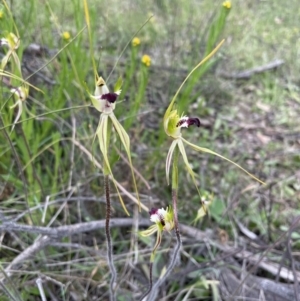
136 42
66 35
146 60
227 4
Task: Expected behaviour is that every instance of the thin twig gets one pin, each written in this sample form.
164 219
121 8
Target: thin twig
38 245
41 289
289 250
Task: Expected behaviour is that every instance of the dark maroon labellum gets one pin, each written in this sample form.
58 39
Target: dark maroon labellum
153 211
111 97
190 121
162 221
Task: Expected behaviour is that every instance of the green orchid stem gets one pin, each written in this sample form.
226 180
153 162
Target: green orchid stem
175 168
108 240
150 282
174 190
175 255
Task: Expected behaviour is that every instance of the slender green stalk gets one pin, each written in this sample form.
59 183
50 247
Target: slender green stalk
175 187
150 282
175 255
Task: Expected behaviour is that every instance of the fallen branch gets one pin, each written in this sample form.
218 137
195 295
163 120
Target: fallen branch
50 235
247 74
69 230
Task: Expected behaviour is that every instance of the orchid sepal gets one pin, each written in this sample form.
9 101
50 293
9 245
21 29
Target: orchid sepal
206 150
169 160
126 143
102 133
21 93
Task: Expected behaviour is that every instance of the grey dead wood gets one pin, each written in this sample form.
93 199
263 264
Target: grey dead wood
247 74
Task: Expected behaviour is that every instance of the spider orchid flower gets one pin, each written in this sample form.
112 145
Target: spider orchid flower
105 102
163 221
173 124
13 43
20 94
206 201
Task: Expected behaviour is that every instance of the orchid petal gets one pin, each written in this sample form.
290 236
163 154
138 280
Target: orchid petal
23 82
5 60
17 61
202 211
151 230
157 243
186 161
206 150
97 103
169 159
20 110
126 143
118 85
103 141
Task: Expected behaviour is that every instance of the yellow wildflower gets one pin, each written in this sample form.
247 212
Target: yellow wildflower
1 14
136 42
66 35
227 4
146 60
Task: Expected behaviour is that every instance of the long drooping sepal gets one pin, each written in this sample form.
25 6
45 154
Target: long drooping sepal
6 58
102 133
169 159
206 150
13 43
103 136
22 81
186 161
157 243
126 143
151 230
18 104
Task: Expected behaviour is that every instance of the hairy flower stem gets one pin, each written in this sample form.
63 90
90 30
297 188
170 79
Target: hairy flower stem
106 172
108 240
175 255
